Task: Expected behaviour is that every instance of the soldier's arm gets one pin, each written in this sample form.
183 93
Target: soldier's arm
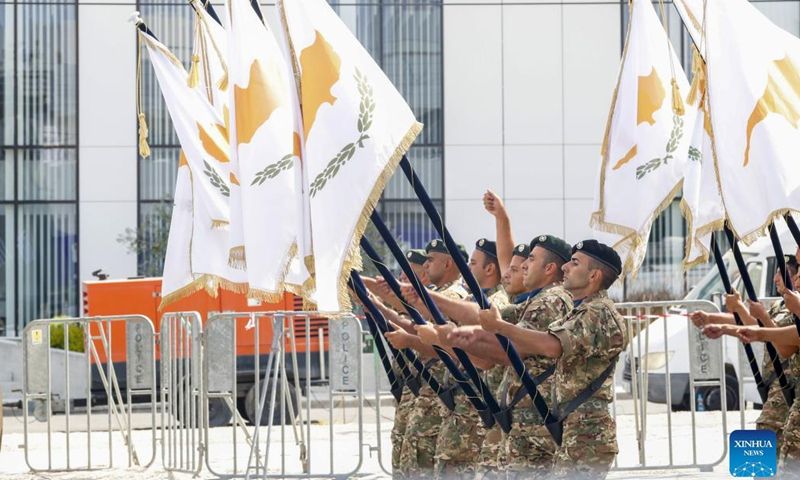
774 318
778 336
479 343
401 339
460 311
505 239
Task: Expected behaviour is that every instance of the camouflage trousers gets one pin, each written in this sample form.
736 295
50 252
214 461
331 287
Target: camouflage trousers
790 451
529 451
774 413
459 444
491 461
419 441
589 443
401 414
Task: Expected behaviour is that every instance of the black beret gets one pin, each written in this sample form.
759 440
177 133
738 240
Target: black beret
554 245
437 245
416 256
487 246
600 252
522 250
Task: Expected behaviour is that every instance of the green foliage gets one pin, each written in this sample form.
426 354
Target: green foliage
75 336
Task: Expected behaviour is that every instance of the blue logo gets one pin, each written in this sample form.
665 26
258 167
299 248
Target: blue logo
753 453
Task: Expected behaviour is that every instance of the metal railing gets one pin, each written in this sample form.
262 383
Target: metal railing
660 333
98 335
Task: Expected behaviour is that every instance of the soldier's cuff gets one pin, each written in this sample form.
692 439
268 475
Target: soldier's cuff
564 337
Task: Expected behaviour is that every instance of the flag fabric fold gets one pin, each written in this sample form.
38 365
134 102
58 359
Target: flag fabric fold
266 153
753 90
355 128
647 138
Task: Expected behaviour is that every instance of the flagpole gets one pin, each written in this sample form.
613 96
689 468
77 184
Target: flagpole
383 327
788 393
487 415
551 421
396 387
748 349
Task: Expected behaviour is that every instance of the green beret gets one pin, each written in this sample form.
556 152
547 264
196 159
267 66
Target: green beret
437 245
554 245
522 250
487 246
600 252
416 256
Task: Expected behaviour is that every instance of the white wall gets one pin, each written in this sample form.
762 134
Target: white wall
107 142
527 93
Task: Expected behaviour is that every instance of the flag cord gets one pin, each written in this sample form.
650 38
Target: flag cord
144 147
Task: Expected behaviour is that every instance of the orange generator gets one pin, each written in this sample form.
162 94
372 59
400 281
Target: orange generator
142 296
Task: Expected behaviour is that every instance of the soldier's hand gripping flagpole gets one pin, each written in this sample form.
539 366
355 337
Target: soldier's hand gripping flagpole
748 349
551 421
788 390
487 414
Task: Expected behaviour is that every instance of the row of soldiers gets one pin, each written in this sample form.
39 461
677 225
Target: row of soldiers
550 300
778 328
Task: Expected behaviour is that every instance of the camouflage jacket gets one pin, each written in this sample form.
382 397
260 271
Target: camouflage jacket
782 318
592 335
455 291
549 305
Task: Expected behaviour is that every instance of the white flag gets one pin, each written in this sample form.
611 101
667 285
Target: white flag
266 148
753 75
647 137
356 128
701 203
201 134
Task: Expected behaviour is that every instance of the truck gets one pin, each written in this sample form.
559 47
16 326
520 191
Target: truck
142 296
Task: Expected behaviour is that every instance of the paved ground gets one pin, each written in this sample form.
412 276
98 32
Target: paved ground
706 445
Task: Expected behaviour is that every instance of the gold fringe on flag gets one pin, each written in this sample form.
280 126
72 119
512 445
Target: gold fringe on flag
194 72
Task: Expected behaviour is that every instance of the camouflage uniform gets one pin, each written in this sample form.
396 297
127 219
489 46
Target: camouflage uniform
775 411
459 443
591 337
401 414
790 449
528 448
427 412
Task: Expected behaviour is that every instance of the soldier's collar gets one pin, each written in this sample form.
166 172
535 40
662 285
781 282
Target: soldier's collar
591 298
524 297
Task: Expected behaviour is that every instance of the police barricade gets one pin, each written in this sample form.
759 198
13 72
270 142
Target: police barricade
52 368
677 389
257 353
181 392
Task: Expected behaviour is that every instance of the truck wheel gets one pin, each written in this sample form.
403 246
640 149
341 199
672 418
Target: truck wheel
219 415
713 398
250 406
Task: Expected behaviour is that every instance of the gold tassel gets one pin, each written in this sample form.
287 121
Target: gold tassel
194 72
677 101
223 82
144 148
697 90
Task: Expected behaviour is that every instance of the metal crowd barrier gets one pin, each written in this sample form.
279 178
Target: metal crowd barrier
276 399
648 370
39 376
181 392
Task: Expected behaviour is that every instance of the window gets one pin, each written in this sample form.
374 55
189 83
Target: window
38 162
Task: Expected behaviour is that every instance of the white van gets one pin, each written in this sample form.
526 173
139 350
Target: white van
760 260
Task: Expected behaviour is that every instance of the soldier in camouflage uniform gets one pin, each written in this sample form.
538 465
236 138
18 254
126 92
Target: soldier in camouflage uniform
586 344
425 419
417 259
459 443
590 339
529 444
527 451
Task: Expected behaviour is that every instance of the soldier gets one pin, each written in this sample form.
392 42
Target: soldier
586 344
459 443
425 419
775 410
527 451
